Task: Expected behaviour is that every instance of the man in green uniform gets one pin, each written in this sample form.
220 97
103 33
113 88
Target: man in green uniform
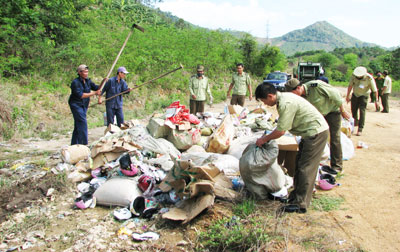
361 83
300 118
379 85
198 86
329 103
240 81
386 90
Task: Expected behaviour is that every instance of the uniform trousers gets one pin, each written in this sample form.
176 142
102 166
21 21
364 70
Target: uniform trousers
238 100
385 103
334 121
307 163
114 112
196 106
359 103
80 133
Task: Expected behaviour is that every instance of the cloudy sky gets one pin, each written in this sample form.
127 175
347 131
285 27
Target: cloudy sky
374 21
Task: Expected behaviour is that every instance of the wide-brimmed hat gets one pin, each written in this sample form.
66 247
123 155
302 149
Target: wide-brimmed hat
360 71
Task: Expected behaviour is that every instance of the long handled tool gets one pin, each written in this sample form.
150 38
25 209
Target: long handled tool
134 26
147 82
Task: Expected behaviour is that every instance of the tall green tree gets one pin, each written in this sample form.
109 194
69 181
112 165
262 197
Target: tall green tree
248 48
350 59
394 63
29 27
269 59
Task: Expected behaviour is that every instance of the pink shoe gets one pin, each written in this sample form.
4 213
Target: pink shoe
130 173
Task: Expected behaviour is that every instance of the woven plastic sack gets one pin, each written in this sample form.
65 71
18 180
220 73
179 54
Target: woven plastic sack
260 171
74 153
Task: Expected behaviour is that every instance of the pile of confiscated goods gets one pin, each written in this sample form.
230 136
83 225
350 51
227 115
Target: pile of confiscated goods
178 163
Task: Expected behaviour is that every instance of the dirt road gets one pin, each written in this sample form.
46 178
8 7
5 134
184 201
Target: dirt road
369 216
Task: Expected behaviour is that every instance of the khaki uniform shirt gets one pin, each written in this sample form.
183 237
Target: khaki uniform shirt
199 87
323 96
298 116
388 84
364 86
240 83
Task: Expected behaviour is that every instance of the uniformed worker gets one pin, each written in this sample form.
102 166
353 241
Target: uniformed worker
328 101
379 85
114 86
198 87
362 83
240 83
300 118
79 102
386 90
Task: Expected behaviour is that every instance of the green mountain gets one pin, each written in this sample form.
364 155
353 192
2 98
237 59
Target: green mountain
318 36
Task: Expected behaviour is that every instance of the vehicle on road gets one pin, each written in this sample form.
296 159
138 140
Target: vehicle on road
278 79
307 71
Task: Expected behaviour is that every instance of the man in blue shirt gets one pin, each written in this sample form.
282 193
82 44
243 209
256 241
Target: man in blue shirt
79 102
114 86
322 76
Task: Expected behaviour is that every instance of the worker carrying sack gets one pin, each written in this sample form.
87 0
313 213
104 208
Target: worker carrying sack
260 171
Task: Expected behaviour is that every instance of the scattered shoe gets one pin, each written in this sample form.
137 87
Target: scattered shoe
292 208
122 214
328 169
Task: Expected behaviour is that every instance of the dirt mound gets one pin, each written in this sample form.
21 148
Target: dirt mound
15 197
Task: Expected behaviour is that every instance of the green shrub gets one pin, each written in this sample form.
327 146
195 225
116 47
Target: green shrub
233 235
245 208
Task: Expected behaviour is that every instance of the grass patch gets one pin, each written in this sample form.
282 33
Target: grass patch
315 242
339 176
327 203
3 164
40 163
233 235
5 182
245 208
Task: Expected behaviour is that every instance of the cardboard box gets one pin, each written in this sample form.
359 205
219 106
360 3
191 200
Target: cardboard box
112 129
287 143
190 208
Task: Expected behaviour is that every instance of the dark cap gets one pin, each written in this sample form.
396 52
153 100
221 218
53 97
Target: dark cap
200 68
291 84
386 72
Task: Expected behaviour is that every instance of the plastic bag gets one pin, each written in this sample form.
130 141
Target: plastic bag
222 137
226 163
347 146
184 139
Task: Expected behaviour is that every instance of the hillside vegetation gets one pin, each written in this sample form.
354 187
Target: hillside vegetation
43 42
318 36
